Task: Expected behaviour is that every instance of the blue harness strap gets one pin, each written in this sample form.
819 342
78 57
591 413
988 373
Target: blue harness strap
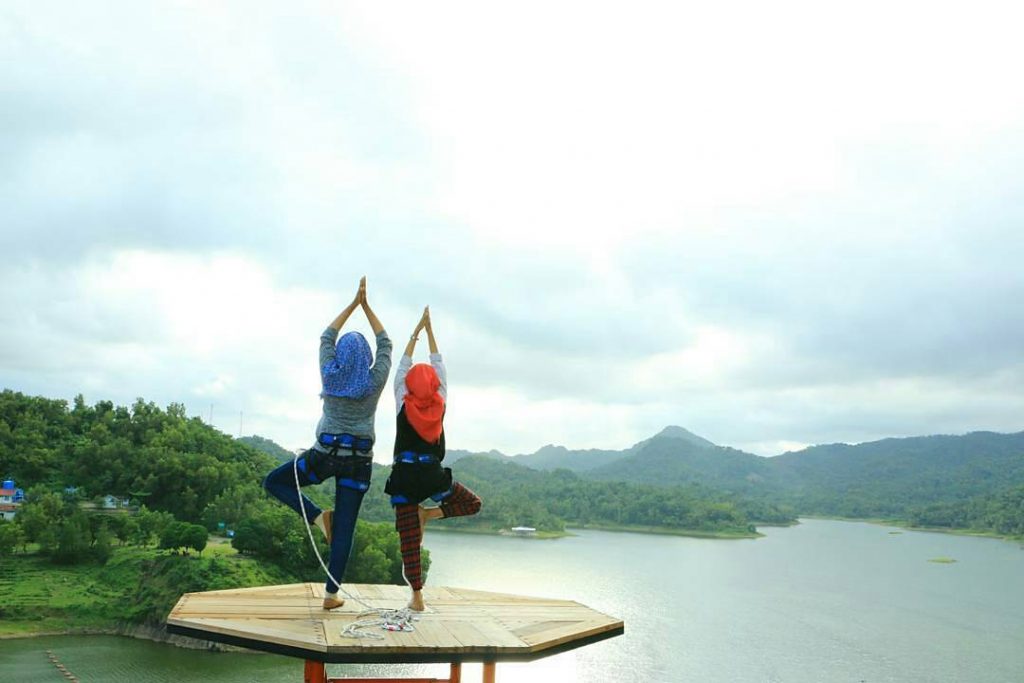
412 458
348 442
438 497
309 473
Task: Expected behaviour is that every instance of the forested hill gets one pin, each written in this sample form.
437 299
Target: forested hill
179 465
267 446
667 460
160 458
876 479
930 477
183 480
890 476
552 457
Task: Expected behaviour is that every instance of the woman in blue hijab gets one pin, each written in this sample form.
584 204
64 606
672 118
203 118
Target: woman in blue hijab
351 386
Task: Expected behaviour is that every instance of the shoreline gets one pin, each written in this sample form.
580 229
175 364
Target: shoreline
155 634
669 531
899 524
539 536
650 530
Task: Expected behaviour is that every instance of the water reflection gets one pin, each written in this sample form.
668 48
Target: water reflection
824 601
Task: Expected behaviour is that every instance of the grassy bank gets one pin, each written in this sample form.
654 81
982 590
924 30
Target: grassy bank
956 532
488 531
137 586
626 528
903 524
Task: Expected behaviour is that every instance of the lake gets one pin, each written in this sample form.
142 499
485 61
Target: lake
821 601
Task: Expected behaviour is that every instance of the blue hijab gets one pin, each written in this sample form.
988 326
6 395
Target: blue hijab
348 374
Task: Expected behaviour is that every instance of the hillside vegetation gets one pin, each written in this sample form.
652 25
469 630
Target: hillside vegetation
963 482
184 479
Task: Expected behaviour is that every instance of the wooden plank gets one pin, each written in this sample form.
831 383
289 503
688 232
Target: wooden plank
439 593
365 592
498 636
564 634
283 589
538 628
436 634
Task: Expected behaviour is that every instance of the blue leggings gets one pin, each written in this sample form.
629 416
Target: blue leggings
280 483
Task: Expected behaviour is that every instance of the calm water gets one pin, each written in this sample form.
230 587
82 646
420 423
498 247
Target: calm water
823 601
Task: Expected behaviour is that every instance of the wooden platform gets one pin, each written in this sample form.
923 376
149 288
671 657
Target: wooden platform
460 625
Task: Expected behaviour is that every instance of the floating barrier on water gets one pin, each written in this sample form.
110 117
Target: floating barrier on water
60 667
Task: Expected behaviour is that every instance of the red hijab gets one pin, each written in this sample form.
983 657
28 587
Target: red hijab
424 407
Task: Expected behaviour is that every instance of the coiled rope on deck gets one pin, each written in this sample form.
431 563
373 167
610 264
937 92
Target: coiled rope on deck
386 619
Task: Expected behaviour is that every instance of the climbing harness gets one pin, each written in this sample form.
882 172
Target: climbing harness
414 458
399 499
387 619
349 442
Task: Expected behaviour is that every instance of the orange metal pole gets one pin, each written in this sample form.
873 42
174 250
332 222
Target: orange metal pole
387 680
315 672
488 672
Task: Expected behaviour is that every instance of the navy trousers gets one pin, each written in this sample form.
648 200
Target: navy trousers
351 480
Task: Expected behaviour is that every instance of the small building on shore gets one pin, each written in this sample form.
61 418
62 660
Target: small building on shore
523 530
115 502
11 498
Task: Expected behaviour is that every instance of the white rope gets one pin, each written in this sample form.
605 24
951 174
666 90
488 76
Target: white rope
386 619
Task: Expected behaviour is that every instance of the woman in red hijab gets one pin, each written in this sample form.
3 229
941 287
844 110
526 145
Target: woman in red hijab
421 393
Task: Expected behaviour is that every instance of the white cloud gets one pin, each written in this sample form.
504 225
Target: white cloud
772 224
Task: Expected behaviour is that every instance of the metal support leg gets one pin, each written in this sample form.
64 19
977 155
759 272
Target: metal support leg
488 672
315 673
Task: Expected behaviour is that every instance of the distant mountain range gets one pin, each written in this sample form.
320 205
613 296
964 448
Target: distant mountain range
868 479
875 479
553 457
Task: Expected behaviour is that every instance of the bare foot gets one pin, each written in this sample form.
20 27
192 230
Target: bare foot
416 604
328 516
427 514
333 603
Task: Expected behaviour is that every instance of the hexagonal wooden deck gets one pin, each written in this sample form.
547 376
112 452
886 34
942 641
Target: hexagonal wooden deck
460 625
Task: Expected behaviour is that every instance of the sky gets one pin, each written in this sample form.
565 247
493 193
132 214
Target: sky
774 224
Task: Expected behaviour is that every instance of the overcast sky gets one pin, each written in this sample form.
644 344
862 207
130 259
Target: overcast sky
775 224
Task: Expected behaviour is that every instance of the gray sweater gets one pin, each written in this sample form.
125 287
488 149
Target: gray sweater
351 415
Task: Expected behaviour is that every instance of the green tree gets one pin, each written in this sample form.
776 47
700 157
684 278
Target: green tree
41 511
73 539
11 537
196 537
174 536
102 545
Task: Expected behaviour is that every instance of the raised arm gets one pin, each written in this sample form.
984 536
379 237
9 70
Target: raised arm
411 346
371 317
430 331
339 321
435 357
382 360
